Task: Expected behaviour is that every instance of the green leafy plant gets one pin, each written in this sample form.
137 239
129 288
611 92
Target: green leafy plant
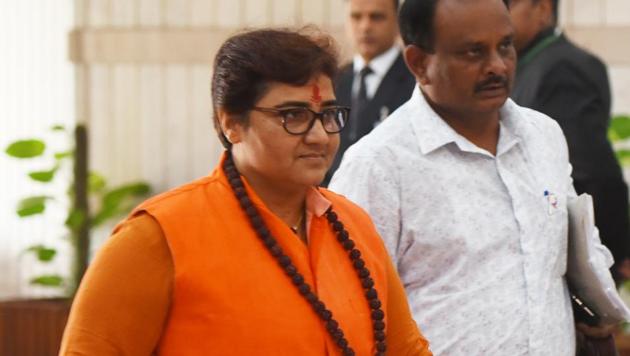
108 202
618 134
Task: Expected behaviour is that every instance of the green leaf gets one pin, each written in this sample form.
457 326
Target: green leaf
44 254
49 280
96 182
75 219
61 155
623 156
26 148
43 176
32 205
58 128
619 128
113 203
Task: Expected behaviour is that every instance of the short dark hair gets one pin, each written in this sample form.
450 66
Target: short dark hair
416 18
247 62
396 4
554 4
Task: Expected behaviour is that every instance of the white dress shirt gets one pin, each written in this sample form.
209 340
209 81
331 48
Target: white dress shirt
380 66
480 241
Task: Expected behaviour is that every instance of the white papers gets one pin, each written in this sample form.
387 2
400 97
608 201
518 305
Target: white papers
588 263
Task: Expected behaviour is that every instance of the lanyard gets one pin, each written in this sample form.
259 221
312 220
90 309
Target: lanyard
546 42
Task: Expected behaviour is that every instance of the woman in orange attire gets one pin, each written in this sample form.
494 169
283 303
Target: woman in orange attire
254 259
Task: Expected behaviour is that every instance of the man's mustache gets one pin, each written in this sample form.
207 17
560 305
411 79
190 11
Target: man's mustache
492 81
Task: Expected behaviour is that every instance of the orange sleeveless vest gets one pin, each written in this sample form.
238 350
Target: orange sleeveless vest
230 297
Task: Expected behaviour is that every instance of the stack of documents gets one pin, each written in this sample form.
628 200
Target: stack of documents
588 263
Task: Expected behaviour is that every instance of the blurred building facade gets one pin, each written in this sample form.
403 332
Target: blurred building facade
143 69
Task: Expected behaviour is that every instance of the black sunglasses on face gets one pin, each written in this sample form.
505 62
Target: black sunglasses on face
300 120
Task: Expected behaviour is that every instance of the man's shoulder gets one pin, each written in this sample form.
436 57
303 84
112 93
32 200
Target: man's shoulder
193 193
564 53
391 147
404 78
346 69
395 131
399 65
373 148
567 46
557 67
343 84
345 75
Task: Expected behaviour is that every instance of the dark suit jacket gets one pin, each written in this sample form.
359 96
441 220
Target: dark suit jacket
571 86
394 90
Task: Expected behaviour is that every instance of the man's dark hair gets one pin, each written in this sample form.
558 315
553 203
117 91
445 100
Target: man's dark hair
554 4
396 4
416 19
248 62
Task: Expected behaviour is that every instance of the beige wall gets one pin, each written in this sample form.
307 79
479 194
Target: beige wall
143 69
36 92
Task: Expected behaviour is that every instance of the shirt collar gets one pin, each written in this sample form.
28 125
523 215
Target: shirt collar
539 37
433 132
316 203
511 127
379 64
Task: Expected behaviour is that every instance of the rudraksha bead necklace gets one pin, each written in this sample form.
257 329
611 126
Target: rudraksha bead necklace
332 326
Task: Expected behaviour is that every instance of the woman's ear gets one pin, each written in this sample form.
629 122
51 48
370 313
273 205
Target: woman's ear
416 59
232 128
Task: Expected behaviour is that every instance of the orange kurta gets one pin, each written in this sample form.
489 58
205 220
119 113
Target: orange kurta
228 296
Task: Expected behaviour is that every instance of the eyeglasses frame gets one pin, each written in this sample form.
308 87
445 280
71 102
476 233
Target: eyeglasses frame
316 116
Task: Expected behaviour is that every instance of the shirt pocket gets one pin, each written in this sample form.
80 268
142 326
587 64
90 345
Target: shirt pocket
555 232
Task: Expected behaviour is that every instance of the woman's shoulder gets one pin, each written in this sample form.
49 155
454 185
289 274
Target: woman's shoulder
186 194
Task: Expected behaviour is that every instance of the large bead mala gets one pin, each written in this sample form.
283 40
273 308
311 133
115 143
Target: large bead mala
332 326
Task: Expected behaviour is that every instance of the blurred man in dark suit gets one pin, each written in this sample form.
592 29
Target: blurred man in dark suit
571 85
377 81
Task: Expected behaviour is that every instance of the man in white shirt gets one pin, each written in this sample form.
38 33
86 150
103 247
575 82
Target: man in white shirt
469 190
377 81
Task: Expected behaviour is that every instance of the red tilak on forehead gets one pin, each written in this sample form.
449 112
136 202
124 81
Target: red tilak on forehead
316 98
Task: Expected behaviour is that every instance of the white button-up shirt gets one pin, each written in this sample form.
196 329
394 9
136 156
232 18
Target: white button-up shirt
480 241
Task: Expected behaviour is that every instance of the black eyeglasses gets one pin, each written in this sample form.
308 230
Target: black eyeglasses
300 120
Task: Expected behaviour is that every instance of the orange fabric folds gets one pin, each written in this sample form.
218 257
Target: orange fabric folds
230 297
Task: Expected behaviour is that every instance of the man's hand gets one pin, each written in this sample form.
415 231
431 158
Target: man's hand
597 332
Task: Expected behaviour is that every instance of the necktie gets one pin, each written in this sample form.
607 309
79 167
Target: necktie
362 94
359 103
